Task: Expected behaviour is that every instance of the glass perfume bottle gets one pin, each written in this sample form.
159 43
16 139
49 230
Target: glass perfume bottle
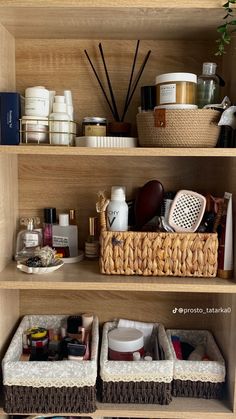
208 85
49 220
92 243
28 240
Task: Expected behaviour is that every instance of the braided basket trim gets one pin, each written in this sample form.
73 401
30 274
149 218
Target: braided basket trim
210 371
146 371
46 373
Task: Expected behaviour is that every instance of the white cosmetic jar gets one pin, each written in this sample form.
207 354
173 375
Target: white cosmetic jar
34 130
37 101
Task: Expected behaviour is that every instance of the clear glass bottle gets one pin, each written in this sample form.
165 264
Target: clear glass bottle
92 243
28 240
65 236
208 85
49 220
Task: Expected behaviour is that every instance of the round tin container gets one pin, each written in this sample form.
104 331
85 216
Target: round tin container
94 126
123 342
176 90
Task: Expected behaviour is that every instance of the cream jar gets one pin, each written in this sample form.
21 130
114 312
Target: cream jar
176 91
34 130
123 342
37 101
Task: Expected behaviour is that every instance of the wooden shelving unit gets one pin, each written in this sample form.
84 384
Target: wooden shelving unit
117 152
186 408
86 276
43 43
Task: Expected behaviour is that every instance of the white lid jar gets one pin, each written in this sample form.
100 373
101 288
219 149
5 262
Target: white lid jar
123 342
176 91
34 129
37 101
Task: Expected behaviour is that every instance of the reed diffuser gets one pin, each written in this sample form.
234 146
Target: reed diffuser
118 127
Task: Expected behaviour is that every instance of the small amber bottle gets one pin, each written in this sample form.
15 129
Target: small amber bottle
92 243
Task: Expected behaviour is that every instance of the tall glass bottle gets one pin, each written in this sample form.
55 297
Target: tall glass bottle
208 85
92 243
49 220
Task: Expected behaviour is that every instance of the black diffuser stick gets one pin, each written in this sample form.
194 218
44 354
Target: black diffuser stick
131 77
117 118
135 84
100 84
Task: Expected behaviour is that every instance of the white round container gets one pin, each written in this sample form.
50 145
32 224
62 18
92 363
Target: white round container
37 101
123 342
177 90
34 129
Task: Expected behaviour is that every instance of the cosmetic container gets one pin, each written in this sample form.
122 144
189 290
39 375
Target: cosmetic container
148 98
123 342
92 243
94 126
208 85
28 240
65 235
60 123
34 129
117 210
176 91
37 101
49 220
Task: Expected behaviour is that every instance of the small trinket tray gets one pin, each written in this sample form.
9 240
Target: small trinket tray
39 270
120 142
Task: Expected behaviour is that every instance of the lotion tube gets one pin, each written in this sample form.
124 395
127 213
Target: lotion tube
225 253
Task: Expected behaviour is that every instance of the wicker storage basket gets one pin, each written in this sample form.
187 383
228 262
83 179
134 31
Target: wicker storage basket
136 382
45 386
156 254
178 128
202 379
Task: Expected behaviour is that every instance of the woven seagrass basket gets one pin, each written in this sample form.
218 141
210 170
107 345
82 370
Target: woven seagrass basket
156 254
200 379
178 128
147 382
46 387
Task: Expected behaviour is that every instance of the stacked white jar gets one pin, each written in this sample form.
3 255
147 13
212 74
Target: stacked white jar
59 123
35 121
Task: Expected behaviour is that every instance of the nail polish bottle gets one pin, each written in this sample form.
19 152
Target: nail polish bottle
92 243
49 220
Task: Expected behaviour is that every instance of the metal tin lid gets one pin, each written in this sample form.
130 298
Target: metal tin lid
170 77
94 119
125 339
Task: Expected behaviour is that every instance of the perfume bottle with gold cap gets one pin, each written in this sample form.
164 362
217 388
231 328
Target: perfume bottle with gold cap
28 240
92 243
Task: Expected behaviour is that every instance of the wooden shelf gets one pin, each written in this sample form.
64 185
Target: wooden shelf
85 276
129 152
134 19
182 408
